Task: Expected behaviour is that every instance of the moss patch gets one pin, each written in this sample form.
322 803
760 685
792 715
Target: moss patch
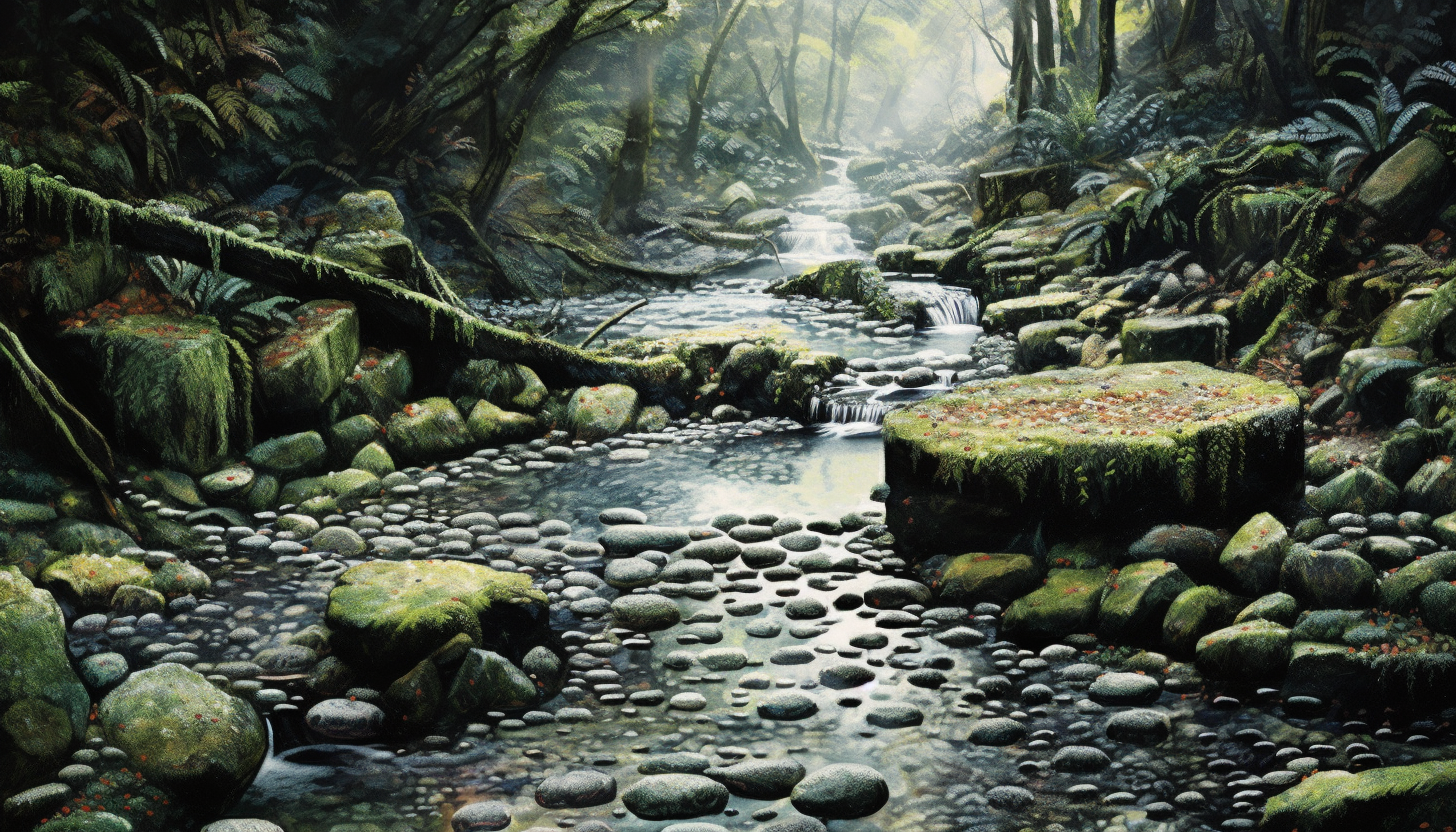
1066 603
973 578
1380 800
303 368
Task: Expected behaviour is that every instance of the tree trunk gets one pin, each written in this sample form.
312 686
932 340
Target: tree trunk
1304 20
1086 38
1022 71
844 76
433 330
1046 52
794 136
1283 77
698 90
888 113
1067 31
1106 47
1198 24
833 66
629 176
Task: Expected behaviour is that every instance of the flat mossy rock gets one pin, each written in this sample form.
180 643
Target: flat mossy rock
490 425
1253 558
896 258
290 456
302 369
1201 338
379 385
1066 603
1255 651
1083 450
1196 613
427 431
505 385
997 578
1279 607
849 280
77 537
1359 490
1137 599
1406 188
386 616
1013 314
369 211
1432 489
179 390
43 705
595 413
187 737
348 484
1327 672
1391 799
89 581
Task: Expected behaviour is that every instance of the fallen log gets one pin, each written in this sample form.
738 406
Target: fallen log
395 316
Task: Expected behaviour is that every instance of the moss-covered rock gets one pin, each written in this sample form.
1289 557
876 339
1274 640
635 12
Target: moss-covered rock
489 425
383 254
1406 450
43 705
76 277
89 581
1391 799
1011 315
20 513
1405 190
896 258
76 537
387 616
849 280
369 211
136 600
186 736
229 484
1279 607
1376 380
1077 450
348 484
1193 549
1432 489
1196 613
508 386
1201 338
486 681
1359 490
1137 600
415 697
1327 671
1401 592
1438 606
1255 651
428 430
1253 557
373 458
295 455
176 578
302 369
1432 397
351 434
1326 580
379 385
997 578
1041 344
595 413
178 389
1067 603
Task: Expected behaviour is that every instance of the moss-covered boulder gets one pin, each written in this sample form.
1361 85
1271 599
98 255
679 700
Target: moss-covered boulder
1432 397
176 578
1438 606
508 386
1326 579
1391 799
761 221
486 681
1255 651
1406 189
595 413
76 537
1359 490
348 484
1078 450
896 258
375 459
849 280
1137 599
15 513
303 368
295 455
490 425
348 436
386 616
1401 592
1047 343
1194 549
1011 315
178 389
383 254
1376 381
1066 603
1253 557
1196 613
187 737
428 430
379 385
1201 338
89 581
997 578
43 705
1279 607
1327 672
1432 489
369 211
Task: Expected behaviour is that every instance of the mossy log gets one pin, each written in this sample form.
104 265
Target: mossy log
1084 450
393 314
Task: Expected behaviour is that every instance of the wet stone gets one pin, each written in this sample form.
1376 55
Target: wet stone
576 790
787 706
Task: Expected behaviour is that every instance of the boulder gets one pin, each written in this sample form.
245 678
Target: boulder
369 211
43 706
76 277
1255 651
1377 380
870 222
896 258
1194 550
595 413
997 578
428 430
675 797
380 254
1401 592
1407 187
302 369
1196 613
379 385
386 615
348 484
762 220
90 581
1201 338
861 168
290 456
1358 490
1040 344
505 385
1432 489
842 280
1279 607
1011 315
1137 600
1326 580
841 791
486 681
1084 450
490 425
347 437
196 742
177 387
1390 799
1255 555
1067 603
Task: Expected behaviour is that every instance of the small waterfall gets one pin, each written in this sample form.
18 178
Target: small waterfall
808 237
951 307
845 411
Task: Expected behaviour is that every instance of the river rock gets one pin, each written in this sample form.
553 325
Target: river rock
1255 651
997 578
787 706
645 613
595 413
344 719
1125 689
1139 726
759 779
1255 554
488 681
508 386
428 430
841 791
303 368
1066 604
675 797
1195 613
577 790
484 816
1326 579
1138 598
490 425
997 731
1359 490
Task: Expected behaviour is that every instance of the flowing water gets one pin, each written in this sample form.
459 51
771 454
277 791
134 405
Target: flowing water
910 722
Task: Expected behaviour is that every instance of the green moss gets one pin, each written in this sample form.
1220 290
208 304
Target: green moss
75 278
1137 599
289 456
505 385
490 425
299 371
1196 613
344 485
486 681
1255 554
595 413
1201 338
1279 607
427 431
1401 592
379 385
1253 651
973 578
1432 398
1391 799
388 615
1066 603
91 580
